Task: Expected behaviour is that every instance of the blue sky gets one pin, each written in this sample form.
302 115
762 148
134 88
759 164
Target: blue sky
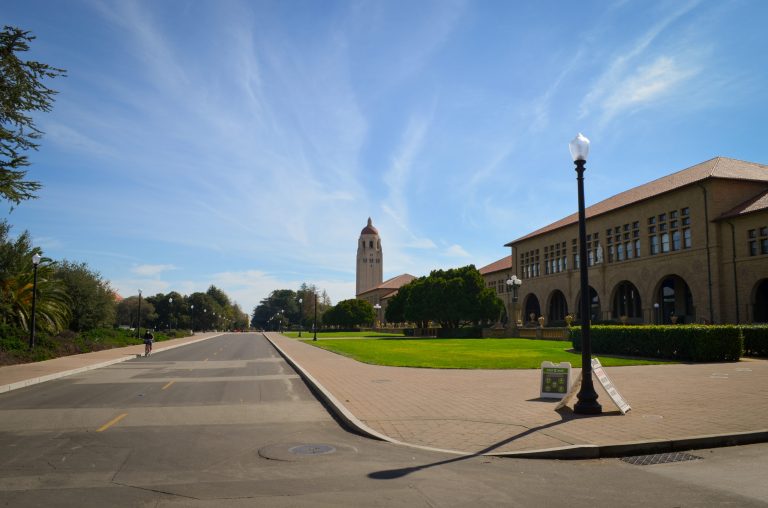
245 144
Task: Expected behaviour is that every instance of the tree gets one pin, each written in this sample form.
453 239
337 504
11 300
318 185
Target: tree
203 314
280 302
16 285
21 93
450 297
128 309
350 313
92 299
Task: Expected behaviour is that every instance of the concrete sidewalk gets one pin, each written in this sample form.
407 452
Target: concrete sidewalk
13 377
674 407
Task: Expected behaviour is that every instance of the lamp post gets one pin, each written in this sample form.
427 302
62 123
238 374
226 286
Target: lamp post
377 307
587 397
301 313
192 317
35 262
170 313
314 325
514 284
138 318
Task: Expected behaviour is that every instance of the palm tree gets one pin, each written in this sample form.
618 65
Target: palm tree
53 310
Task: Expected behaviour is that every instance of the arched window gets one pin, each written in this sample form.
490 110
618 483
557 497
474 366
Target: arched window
626 301
558 307
760 303
675 299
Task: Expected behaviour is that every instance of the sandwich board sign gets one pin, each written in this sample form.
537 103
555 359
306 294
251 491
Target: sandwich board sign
555 380
605 382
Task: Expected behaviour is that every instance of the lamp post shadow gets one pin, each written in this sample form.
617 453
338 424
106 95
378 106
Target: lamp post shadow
391 474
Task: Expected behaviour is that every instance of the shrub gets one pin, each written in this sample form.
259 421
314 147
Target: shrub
678 342
460 333
755 340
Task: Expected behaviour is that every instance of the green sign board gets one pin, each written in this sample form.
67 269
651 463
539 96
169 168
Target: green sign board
555 379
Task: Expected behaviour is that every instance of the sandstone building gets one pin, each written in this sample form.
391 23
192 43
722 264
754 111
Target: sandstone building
690 247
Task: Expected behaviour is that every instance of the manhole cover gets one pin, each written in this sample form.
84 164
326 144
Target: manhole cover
659 458
312 449
295 452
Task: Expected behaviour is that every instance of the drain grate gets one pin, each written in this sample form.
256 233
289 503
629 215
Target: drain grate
660 458
312 449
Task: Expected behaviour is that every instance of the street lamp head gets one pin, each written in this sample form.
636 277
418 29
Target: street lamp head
36 259
579 148
514 282
170 300
377 306
301 300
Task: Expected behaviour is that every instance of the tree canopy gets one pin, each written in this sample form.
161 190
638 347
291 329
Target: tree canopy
350 313
450 297
92 298
22 92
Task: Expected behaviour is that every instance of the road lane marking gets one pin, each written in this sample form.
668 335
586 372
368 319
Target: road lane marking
169 384
111 422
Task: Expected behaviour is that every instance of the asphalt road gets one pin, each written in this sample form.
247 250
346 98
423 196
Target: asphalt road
226 422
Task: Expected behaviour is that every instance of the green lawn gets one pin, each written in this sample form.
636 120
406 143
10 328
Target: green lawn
465 353
347 335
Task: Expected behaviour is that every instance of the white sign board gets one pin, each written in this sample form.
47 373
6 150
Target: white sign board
611 390
555 379
605 382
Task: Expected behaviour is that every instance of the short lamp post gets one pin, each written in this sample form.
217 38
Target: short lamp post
513 284
138 318
314 325
377 308
35 262
301 315
170 313
192 317
587 397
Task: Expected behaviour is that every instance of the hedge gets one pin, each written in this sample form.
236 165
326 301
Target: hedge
677 342
755 340
468 332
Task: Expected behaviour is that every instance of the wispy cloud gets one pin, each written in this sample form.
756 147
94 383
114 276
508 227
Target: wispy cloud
646 85
457 251
151 270
624 72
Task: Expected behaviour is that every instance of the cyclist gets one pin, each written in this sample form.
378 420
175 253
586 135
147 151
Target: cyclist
148 340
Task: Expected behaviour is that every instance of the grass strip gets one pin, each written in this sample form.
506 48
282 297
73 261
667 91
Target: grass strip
465 353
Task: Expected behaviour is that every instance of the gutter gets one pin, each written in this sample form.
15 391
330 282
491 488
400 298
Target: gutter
735 276
709 256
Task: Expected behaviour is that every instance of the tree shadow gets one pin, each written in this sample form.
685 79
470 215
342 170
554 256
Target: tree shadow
565 415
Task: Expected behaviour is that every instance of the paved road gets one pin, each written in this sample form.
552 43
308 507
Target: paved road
219 422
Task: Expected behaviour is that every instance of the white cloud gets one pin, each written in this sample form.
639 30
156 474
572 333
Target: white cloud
457 251
620 73
151 270
649 84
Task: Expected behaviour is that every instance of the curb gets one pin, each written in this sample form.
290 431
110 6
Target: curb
574 452
57 375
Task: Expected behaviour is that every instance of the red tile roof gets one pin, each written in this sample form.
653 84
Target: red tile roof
504 263
719 167
755 204
393 283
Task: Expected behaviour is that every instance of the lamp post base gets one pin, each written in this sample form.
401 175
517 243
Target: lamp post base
587 404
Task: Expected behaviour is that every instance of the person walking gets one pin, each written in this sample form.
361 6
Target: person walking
148 340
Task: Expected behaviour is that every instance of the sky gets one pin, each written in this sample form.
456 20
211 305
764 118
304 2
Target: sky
244 144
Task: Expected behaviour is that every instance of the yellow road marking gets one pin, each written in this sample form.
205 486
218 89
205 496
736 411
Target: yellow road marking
169 384
111 422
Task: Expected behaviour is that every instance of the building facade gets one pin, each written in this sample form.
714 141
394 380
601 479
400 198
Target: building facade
691 247
370 260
